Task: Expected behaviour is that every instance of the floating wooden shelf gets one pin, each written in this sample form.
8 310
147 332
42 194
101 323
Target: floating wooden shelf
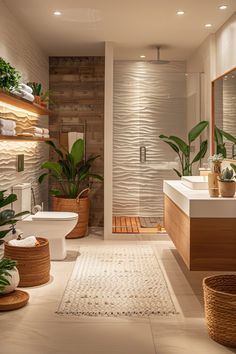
23 138
21 103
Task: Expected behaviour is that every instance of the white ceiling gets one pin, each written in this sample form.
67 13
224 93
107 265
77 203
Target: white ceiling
135 26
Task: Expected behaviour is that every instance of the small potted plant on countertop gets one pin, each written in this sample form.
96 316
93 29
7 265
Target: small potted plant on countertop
213 185
72 174
227 183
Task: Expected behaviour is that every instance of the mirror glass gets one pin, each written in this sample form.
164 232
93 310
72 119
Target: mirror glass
224 114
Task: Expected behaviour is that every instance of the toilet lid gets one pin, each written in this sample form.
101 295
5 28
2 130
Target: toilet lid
54 215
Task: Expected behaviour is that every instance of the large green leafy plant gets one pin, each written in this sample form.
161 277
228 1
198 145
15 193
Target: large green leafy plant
8 217
183 149
9 76
6 265
220 137
71 171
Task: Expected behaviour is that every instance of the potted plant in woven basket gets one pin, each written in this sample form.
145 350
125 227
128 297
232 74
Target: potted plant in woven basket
33 263
227 183
72 173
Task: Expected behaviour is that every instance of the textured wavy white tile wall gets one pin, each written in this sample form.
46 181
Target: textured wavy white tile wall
19 48
149 100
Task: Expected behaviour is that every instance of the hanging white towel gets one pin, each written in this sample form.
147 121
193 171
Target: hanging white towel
30 241
72 137
7 124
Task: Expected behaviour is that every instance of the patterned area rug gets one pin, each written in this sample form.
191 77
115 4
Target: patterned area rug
117 281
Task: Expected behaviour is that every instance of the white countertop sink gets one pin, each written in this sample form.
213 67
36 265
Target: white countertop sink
197 203
195 182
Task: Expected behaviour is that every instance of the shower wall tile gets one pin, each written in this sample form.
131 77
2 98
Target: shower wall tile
149 100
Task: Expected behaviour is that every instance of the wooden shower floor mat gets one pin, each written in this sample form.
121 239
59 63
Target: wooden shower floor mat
135 225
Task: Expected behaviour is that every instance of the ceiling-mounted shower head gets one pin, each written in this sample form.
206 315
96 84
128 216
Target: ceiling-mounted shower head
159 61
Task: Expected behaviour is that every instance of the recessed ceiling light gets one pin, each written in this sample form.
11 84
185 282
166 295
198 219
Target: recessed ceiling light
208 25
223 7
142 56
180 12
57 13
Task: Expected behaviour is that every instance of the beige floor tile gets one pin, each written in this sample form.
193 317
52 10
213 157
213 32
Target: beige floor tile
188 336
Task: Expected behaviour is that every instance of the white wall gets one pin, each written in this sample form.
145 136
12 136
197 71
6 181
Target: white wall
215 56
18 48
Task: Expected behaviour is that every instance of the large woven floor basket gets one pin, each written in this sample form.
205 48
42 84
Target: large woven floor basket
33 263
220 308
79 206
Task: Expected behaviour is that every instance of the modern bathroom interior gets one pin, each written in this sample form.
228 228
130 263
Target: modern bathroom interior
117 177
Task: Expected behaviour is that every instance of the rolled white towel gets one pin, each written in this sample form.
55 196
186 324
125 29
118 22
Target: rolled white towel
37 135
27 96
30 241
46 136
9 132
26 88
24 94
35 130
45 131
7 124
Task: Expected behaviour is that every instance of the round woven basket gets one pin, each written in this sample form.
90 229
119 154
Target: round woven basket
80 206
33 263
220 308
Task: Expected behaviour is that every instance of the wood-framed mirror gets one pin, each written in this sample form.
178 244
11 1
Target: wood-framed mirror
224 115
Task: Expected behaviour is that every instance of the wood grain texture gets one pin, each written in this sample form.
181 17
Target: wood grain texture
177 225
77 85
203 243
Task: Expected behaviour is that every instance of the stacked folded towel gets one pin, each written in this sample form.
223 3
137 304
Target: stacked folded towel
25 92
36 132
7 127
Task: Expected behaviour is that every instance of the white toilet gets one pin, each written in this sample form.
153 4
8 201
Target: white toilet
49 224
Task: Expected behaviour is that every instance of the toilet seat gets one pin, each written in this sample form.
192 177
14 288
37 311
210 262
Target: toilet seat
54 215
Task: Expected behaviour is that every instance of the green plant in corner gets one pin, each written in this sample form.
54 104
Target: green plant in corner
183 149
71 171
8 217
6 265
9 76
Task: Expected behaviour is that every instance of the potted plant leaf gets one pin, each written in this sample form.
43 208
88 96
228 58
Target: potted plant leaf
227 183
72 173
9 76
9 276
8 217
37 91
183 149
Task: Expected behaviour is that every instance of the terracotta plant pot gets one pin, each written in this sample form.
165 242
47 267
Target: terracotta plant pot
227 189
79 206
37 99
43 104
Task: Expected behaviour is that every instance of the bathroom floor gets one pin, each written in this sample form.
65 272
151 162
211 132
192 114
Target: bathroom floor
36 329
137 224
